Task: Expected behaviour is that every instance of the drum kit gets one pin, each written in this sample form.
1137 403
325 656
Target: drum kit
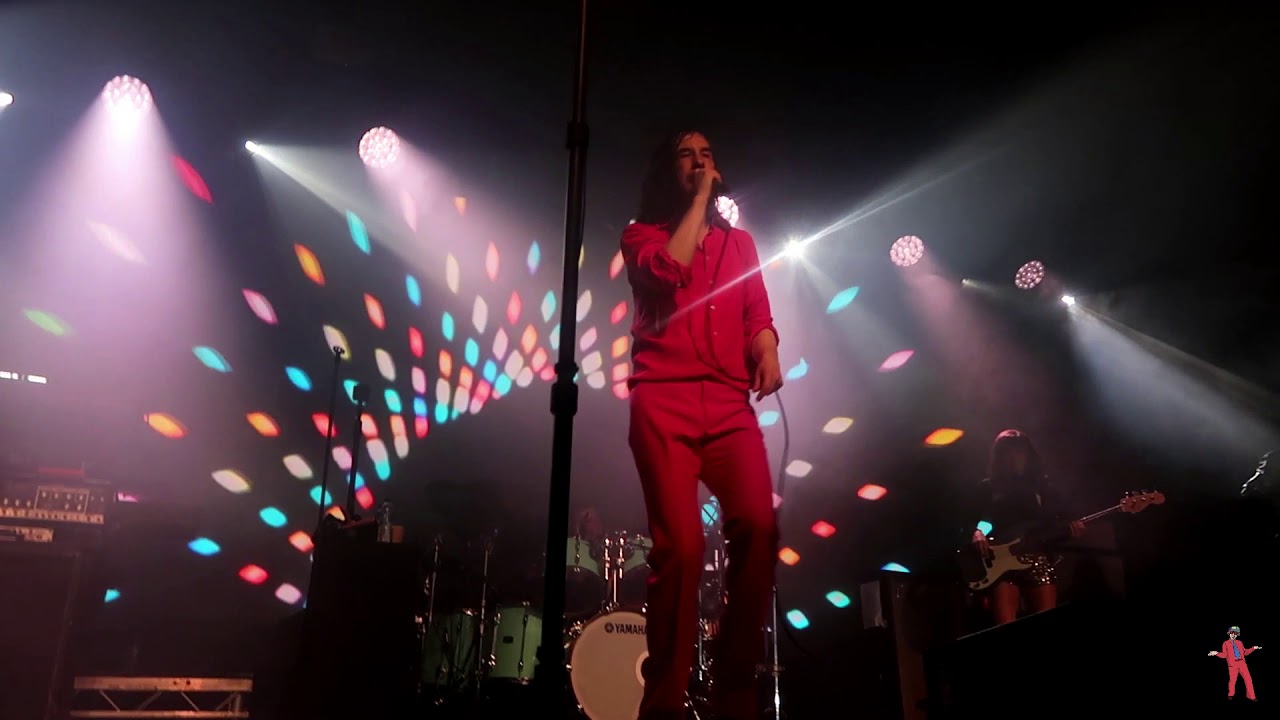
491 648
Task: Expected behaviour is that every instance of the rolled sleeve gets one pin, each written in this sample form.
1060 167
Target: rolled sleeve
757 314
644 250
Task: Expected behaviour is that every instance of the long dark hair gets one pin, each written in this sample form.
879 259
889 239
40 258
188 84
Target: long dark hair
1000 467
662 198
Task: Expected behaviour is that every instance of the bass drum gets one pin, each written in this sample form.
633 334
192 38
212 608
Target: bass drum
604 665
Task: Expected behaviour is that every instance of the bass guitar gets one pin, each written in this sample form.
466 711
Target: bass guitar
1004 558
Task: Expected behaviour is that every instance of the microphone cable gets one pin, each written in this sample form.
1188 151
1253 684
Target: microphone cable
782 475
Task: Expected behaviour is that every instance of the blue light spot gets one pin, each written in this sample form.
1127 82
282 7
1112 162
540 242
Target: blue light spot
555 338
895 567
768 417
111 595
415 292
359 235
490 371
442 413
503 384
842 299
392 399
420 407
315 496
204 546
446 326
985 527
359 481
710 513
383 469
298 378
212 359
800 370
535 257
837 598
472 352
797 619
548 306
273 517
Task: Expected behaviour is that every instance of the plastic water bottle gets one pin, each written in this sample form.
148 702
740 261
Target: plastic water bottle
384 522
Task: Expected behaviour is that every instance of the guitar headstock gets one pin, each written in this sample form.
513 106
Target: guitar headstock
1136 502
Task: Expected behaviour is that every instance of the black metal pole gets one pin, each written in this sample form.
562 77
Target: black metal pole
361 395
551 673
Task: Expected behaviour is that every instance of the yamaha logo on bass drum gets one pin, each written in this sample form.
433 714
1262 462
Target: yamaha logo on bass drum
624 628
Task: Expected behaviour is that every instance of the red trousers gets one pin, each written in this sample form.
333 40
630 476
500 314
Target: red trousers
1243 671
683 432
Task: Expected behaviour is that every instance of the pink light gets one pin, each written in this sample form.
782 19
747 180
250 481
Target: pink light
260 307
491 262
823 529
192 179
419 380
127 94
415 342
409 209
321 421
906 251
253 574
621 391
301 541
1029 275
896 360
871 492
420 427
380 147
364 497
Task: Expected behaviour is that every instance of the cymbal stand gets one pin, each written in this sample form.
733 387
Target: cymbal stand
486 659
430 622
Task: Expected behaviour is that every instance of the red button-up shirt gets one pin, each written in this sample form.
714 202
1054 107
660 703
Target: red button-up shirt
695 322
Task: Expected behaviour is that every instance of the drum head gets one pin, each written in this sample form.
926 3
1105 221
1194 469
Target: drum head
604 665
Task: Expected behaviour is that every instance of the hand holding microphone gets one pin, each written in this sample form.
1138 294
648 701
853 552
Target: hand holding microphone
708 182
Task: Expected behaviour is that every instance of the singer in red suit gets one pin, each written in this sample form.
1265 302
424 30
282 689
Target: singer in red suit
1235 653
703 342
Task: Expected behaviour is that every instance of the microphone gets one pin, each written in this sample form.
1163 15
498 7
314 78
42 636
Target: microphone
360 393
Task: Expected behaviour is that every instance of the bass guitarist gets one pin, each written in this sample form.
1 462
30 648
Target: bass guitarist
1017 500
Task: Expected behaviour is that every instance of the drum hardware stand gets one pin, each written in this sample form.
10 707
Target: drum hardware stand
773 669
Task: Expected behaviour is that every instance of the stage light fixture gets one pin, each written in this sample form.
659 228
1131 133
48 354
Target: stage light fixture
380 147
1029 275
1068 300
728 210
6 99
906 251
127 94
251 146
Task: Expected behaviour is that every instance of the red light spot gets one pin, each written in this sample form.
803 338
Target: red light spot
823 529
619 313
616 265
513 308
368 426
415 342
420 426
788 556
364 497
253 574
302 541
322 424
374 308
871 492
192 179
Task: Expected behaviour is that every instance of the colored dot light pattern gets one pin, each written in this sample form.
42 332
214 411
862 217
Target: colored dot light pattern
506 342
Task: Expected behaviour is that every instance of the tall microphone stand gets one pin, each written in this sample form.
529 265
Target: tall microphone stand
360 393
551 674
325 462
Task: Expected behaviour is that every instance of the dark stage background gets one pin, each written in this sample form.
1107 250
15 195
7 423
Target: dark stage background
1127 153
